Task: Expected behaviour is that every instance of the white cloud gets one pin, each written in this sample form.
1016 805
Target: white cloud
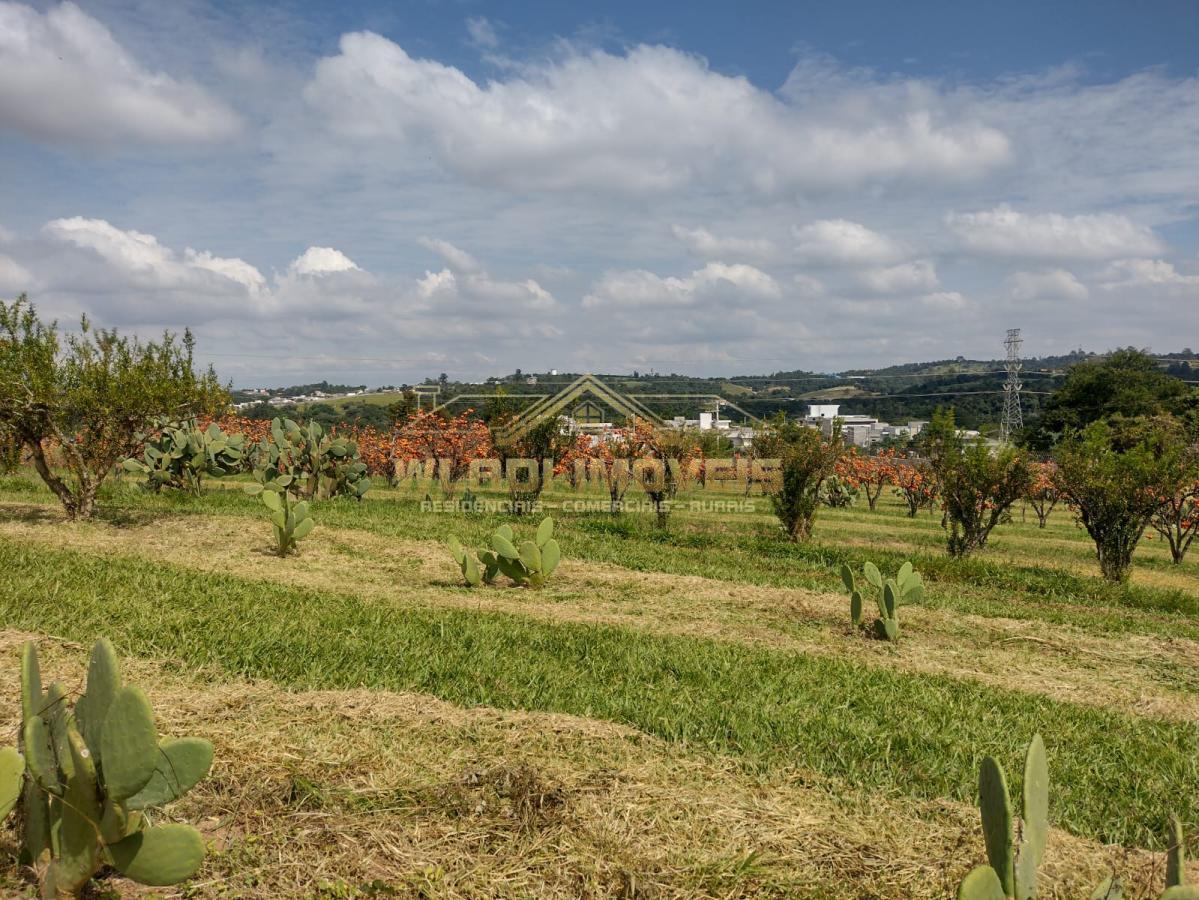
482 33
918 275
1145 273
66 78
653 119
234 269
456 258
1053 284
14 277
322 260
702 242
714 283
1005 232
948 301
841 242
142 256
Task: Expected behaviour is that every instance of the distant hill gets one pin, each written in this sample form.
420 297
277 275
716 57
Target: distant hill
899 393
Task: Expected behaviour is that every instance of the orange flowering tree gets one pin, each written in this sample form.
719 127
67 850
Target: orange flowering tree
1177 519
915 482
453 443
612 460
1043 493
674 449
869 474
576 453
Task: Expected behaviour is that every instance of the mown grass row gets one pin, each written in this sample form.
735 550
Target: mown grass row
880 730
740 548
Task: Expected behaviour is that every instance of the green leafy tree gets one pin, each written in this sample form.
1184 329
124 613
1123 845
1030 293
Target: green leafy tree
978 487
79 405
1125 383
1115 476
805 461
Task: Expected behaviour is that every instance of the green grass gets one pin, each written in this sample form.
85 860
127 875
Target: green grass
747 548
1115 776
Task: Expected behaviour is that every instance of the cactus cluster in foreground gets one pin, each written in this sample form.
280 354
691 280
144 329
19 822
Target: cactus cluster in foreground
1016 846
528 564
905 588
87 779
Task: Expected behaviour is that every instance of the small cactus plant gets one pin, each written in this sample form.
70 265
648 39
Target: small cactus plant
527 565
905 588
290 517
88 776
533 561
1016 846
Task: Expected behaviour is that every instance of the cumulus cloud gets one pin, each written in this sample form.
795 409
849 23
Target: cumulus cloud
841 242
703 243
148 263
322 260
655 118
67 79
714 283
1006 232
918 275
1053 284
1125 273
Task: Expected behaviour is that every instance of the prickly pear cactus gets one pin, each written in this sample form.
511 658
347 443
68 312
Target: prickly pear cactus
179 455
318 465
87 777
290 518
905 587
1016 847
532 562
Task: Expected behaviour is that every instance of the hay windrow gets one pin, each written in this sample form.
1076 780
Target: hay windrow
1141 674
331 792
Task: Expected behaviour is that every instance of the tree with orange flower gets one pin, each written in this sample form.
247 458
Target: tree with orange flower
1043 493
453 444
869 474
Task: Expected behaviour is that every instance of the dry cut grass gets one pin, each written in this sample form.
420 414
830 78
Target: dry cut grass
367 793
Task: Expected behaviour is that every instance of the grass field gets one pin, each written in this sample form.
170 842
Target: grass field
679 714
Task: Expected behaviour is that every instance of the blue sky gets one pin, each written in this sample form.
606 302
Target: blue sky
378 192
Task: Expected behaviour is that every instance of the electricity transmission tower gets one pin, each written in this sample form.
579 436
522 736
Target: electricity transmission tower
1013 418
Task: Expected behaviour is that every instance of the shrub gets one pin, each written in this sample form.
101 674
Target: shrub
978 486
529 565
805 461
1043 494
870 474
90 398
914 481
87 778
453 443
673 449
1177 516
1114 476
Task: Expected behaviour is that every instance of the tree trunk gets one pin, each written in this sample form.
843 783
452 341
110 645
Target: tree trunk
59 487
